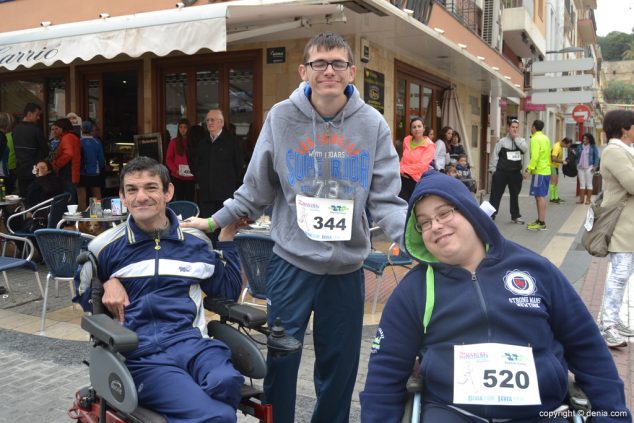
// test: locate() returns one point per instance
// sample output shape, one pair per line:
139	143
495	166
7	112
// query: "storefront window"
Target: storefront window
241	107
94	99
175	101
417	94
49	93
414	100
207	94
14	95
56	101
401	126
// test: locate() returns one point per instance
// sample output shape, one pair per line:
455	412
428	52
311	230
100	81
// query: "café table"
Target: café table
13	201
85	217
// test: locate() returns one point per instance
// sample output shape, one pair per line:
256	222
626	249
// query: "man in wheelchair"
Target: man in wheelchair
154	275
497	327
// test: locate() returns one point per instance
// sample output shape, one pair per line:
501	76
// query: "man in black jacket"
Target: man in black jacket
218	165
30	146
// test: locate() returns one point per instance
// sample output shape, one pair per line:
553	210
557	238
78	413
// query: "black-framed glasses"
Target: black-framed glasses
322	65
442	216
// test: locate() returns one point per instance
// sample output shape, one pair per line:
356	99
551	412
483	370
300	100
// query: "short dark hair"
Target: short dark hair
590	137
48	164
327	41
566	140
538	124
145	164
615	121
463	156
64	124
30	108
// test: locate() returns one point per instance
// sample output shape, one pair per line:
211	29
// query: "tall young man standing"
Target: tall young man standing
322	158
539	168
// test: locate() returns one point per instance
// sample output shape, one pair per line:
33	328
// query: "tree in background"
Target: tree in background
619	92
629	54
615	44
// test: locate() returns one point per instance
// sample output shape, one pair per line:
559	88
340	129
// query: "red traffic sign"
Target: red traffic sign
581	113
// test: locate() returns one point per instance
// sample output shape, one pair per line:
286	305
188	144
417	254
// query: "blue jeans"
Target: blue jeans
337	302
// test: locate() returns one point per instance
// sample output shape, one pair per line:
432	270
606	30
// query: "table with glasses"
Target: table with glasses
114	220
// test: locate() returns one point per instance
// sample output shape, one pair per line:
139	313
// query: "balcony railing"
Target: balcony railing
466	11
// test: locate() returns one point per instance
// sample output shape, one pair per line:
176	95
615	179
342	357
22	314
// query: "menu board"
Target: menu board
150	145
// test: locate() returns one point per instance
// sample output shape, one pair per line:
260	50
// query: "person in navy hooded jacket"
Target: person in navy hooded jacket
496	327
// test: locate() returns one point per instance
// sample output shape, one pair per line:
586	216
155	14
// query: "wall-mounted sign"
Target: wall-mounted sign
150	145
276	55
528	106
374	89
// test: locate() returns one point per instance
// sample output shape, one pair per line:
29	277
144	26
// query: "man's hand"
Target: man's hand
229	232
115	298
195	222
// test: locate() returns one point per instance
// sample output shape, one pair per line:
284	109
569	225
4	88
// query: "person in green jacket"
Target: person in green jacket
539	168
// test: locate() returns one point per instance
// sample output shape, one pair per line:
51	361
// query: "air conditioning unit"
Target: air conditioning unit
492	23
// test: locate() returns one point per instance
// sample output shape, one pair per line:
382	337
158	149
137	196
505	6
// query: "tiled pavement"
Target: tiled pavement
51	368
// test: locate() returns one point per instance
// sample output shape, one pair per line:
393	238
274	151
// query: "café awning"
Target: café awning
187	30
160	32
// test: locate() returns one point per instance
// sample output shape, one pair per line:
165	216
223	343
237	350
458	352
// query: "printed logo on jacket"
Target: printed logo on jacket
332	158
521	283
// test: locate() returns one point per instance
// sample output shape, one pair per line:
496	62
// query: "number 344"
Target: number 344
330	223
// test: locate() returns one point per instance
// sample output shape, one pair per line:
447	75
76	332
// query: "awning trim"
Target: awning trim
132	35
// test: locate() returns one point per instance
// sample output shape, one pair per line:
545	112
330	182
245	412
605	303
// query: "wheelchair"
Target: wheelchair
577	403
112	395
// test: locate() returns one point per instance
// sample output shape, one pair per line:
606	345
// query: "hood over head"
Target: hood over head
459	196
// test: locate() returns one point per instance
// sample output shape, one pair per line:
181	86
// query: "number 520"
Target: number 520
505	379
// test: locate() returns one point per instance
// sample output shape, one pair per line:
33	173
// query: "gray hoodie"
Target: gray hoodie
350	156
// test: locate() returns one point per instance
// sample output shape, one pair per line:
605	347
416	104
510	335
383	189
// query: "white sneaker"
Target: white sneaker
613	338
623	329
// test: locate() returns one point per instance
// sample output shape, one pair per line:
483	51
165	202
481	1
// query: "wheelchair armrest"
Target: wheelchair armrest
110	332
244	315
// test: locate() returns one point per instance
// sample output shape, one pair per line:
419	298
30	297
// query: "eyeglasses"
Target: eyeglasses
515	121
212	120
322	65
442	216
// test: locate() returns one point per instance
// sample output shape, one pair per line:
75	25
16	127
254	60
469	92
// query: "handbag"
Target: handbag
599	226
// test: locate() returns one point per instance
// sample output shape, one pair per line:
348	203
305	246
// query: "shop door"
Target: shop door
111	100
190	87
417	95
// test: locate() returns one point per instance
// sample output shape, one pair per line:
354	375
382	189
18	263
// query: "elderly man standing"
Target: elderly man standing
218	165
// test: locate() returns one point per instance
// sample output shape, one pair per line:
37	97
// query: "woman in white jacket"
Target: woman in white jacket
617	170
